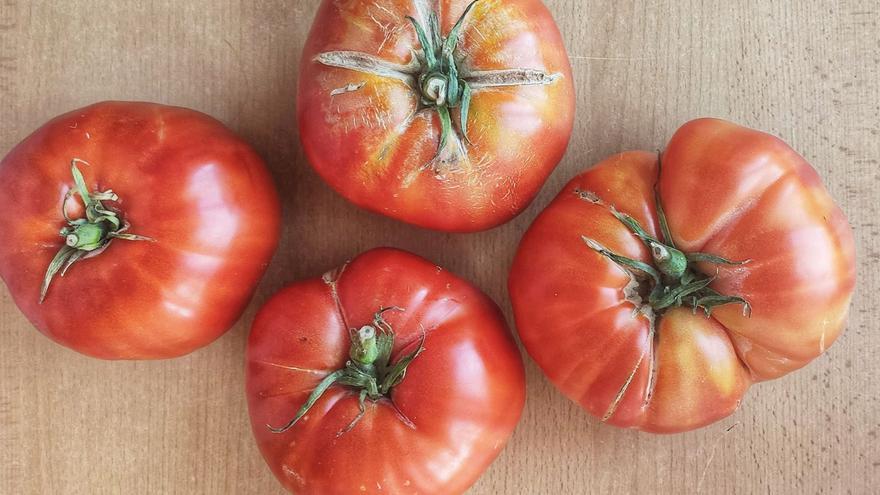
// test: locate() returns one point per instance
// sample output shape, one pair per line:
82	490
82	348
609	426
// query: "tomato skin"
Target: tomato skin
464	393
373	144
729	191
184	180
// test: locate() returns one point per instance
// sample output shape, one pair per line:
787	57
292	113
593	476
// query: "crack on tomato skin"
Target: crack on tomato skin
348	88
293	475
452	158
331	279
649	349
388	29
510	77
310	371
370	64
654	370
377	163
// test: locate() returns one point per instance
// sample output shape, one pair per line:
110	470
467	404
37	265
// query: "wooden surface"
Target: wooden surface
806	70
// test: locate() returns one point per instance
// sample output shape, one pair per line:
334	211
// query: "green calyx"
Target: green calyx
88	236
439	82
369	369
440	76
673	278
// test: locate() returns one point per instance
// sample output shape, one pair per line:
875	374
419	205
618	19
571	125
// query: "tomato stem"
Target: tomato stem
437	76
674	277
368	369
440	85
89	236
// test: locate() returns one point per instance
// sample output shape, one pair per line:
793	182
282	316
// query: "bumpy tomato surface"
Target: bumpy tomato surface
664	329
167	223
450	120
399	378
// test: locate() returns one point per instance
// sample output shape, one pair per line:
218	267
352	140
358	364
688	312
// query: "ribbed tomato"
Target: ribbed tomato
387	375
664	329
450	119
167	221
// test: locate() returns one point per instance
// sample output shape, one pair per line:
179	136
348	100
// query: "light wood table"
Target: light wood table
806	70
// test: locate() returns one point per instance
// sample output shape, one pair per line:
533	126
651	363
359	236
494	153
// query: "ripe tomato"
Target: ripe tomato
167	219
664	329
450	120
401	378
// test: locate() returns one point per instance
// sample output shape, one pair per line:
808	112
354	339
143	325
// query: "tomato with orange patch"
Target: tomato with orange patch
445	114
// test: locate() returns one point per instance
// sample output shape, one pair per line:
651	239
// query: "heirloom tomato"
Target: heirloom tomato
135	230
655	289
446	114
387	375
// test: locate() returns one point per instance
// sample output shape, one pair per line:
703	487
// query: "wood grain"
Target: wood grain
808	71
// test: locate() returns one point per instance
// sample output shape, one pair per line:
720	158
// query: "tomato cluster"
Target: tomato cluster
654	290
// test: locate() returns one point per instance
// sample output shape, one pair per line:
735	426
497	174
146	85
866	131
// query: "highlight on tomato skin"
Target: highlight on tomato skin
386	375
135	230
655	289
449	115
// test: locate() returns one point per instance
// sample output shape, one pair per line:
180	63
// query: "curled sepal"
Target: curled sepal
60	260
76	256
633	225
707	303
453	91
658	205
434	27
89	236
445	128
316	394
716	260
452	40
466	96
131	237
628	264
398	372
428	49
80	182
362	410
675	296
384	339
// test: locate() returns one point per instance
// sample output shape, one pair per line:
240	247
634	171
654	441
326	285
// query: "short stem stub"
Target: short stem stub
669	260
440	83
368	370
434	90
90	235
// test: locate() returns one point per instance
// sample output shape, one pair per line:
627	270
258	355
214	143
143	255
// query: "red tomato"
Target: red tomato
752	228
161	265
450	120
434	430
